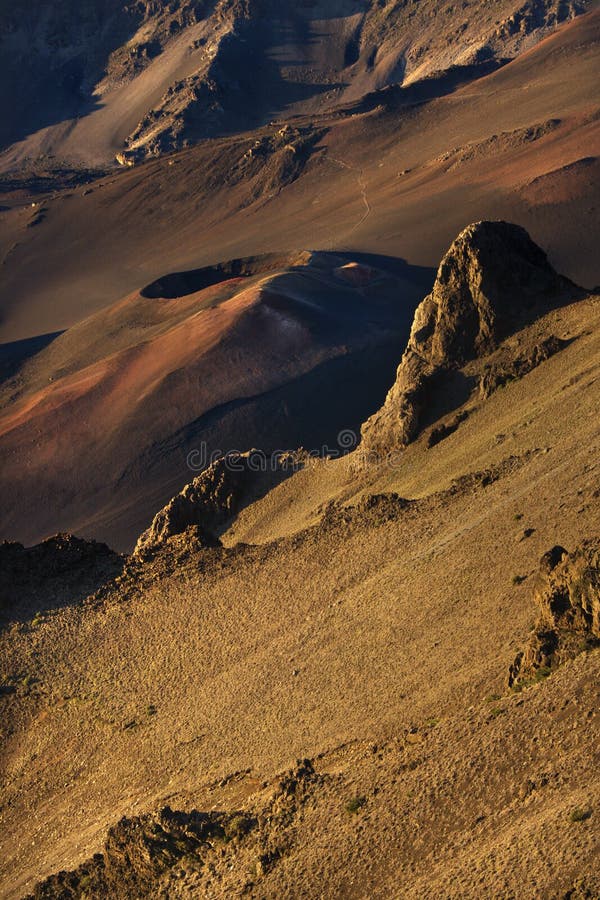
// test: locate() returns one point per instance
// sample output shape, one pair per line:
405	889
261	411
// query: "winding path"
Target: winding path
363	191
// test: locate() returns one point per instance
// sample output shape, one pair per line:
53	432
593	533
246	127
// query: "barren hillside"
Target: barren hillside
299	450
364	615
399	178
101	79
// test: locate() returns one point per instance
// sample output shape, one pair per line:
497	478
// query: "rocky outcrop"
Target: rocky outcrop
492	281
567	595
192	854
211	501
54	556
62	569
500	372
141	851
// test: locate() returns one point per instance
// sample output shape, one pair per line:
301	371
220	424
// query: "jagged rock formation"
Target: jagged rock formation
173	853
492	281
567	594
210	501
197	68
200	104
60	570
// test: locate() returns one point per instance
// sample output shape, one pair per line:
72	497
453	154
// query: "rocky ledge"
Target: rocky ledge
211	501
567	596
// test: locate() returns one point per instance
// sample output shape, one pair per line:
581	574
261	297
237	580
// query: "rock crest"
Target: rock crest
492	281
213	499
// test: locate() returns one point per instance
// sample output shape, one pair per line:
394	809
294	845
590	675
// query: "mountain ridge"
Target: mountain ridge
181	72
367	666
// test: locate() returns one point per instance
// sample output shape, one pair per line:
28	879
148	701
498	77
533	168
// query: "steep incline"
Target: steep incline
93	80
365	617
492	281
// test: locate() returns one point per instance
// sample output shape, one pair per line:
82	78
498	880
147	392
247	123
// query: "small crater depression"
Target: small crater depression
180	284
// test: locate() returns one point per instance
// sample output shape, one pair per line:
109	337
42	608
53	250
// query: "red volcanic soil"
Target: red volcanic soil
96	428
377	181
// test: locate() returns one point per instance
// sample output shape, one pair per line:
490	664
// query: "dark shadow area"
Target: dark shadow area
306	10
440	432
180	284
394	97
60	571
15	353
445	392
44	89
311	411
39	181
423	276
250	102
353	46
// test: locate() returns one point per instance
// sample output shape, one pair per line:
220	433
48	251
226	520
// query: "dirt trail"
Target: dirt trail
360	177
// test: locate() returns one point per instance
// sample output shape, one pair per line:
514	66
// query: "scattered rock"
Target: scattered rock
499	373
124	160
371	510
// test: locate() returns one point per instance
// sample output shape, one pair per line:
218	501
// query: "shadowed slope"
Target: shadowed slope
97	80
257	359
397	182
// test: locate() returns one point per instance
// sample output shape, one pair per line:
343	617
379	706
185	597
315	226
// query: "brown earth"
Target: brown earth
394	818
374	675
112	443
347	618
